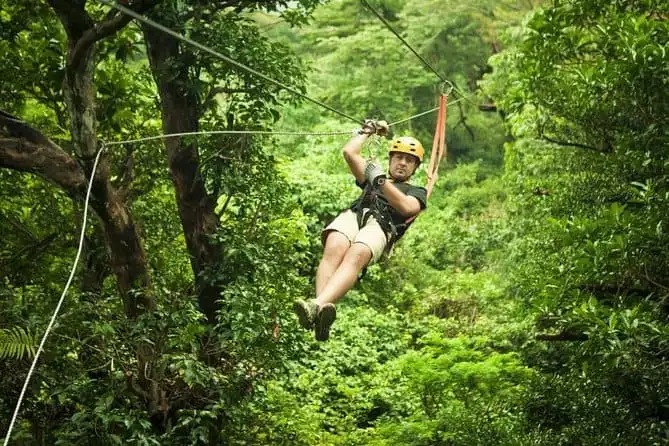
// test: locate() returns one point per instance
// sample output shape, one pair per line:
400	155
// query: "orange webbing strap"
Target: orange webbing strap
438	145
438	148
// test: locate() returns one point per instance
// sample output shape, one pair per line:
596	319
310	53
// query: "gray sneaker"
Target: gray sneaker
324	320
306	311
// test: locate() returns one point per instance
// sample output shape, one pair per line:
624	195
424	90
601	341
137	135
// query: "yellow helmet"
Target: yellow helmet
407	144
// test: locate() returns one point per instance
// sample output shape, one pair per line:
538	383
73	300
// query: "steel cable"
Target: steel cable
229	60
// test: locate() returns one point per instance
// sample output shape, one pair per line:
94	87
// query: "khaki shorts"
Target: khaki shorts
370	235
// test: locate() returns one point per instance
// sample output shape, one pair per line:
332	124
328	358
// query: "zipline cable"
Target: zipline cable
226	132
432	110
425	62
385	22
215	53
261	132
60	301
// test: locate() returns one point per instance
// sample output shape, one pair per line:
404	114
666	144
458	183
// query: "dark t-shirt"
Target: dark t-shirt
420	193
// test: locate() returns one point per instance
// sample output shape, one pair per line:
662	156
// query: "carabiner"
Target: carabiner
374	140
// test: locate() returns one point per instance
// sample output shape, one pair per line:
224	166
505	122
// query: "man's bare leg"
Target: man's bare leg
344	278
336	245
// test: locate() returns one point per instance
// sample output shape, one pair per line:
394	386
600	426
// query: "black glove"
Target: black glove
375	174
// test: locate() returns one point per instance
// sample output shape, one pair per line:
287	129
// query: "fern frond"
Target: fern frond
17	342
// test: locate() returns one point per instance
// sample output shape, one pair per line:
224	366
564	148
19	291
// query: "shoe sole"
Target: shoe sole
324	320
303	316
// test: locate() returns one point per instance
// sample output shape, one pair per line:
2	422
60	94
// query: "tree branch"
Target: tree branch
488	107
225	206
128	175
572	144
25	149
104	29
462	121
134	388
31	252
73	16
19	227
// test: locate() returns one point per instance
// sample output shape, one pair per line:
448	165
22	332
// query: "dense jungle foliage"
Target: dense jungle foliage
529	305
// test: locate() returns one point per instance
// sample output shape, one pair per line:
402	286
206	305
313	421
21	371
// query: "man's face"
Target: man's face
402	166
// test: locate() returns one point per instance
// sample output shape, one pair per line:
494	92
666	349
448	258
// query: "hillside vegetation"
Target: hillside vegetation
527	306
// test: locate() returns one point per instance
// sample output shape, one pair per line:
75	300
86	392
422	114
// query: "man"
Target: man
360	235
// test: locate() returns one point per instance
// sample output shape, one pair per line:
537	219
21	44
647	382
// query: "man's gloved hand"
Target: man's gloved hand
368	127
372	127
375	174
382	128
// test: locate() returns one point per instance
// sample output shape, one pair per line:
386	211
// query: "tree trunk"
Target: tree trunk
26	149
23	148
95	259
126	252
128	259
180	113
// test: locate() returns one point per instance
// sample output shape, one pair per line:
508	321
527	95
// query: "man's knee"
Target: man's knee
336	245
359	255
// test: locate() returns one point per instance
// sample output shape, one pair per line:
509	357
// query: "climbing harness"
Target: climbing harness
372	203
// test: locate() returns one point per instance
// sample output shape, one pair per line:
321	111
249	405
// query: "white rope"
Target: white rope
226	132
60	301
264	132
